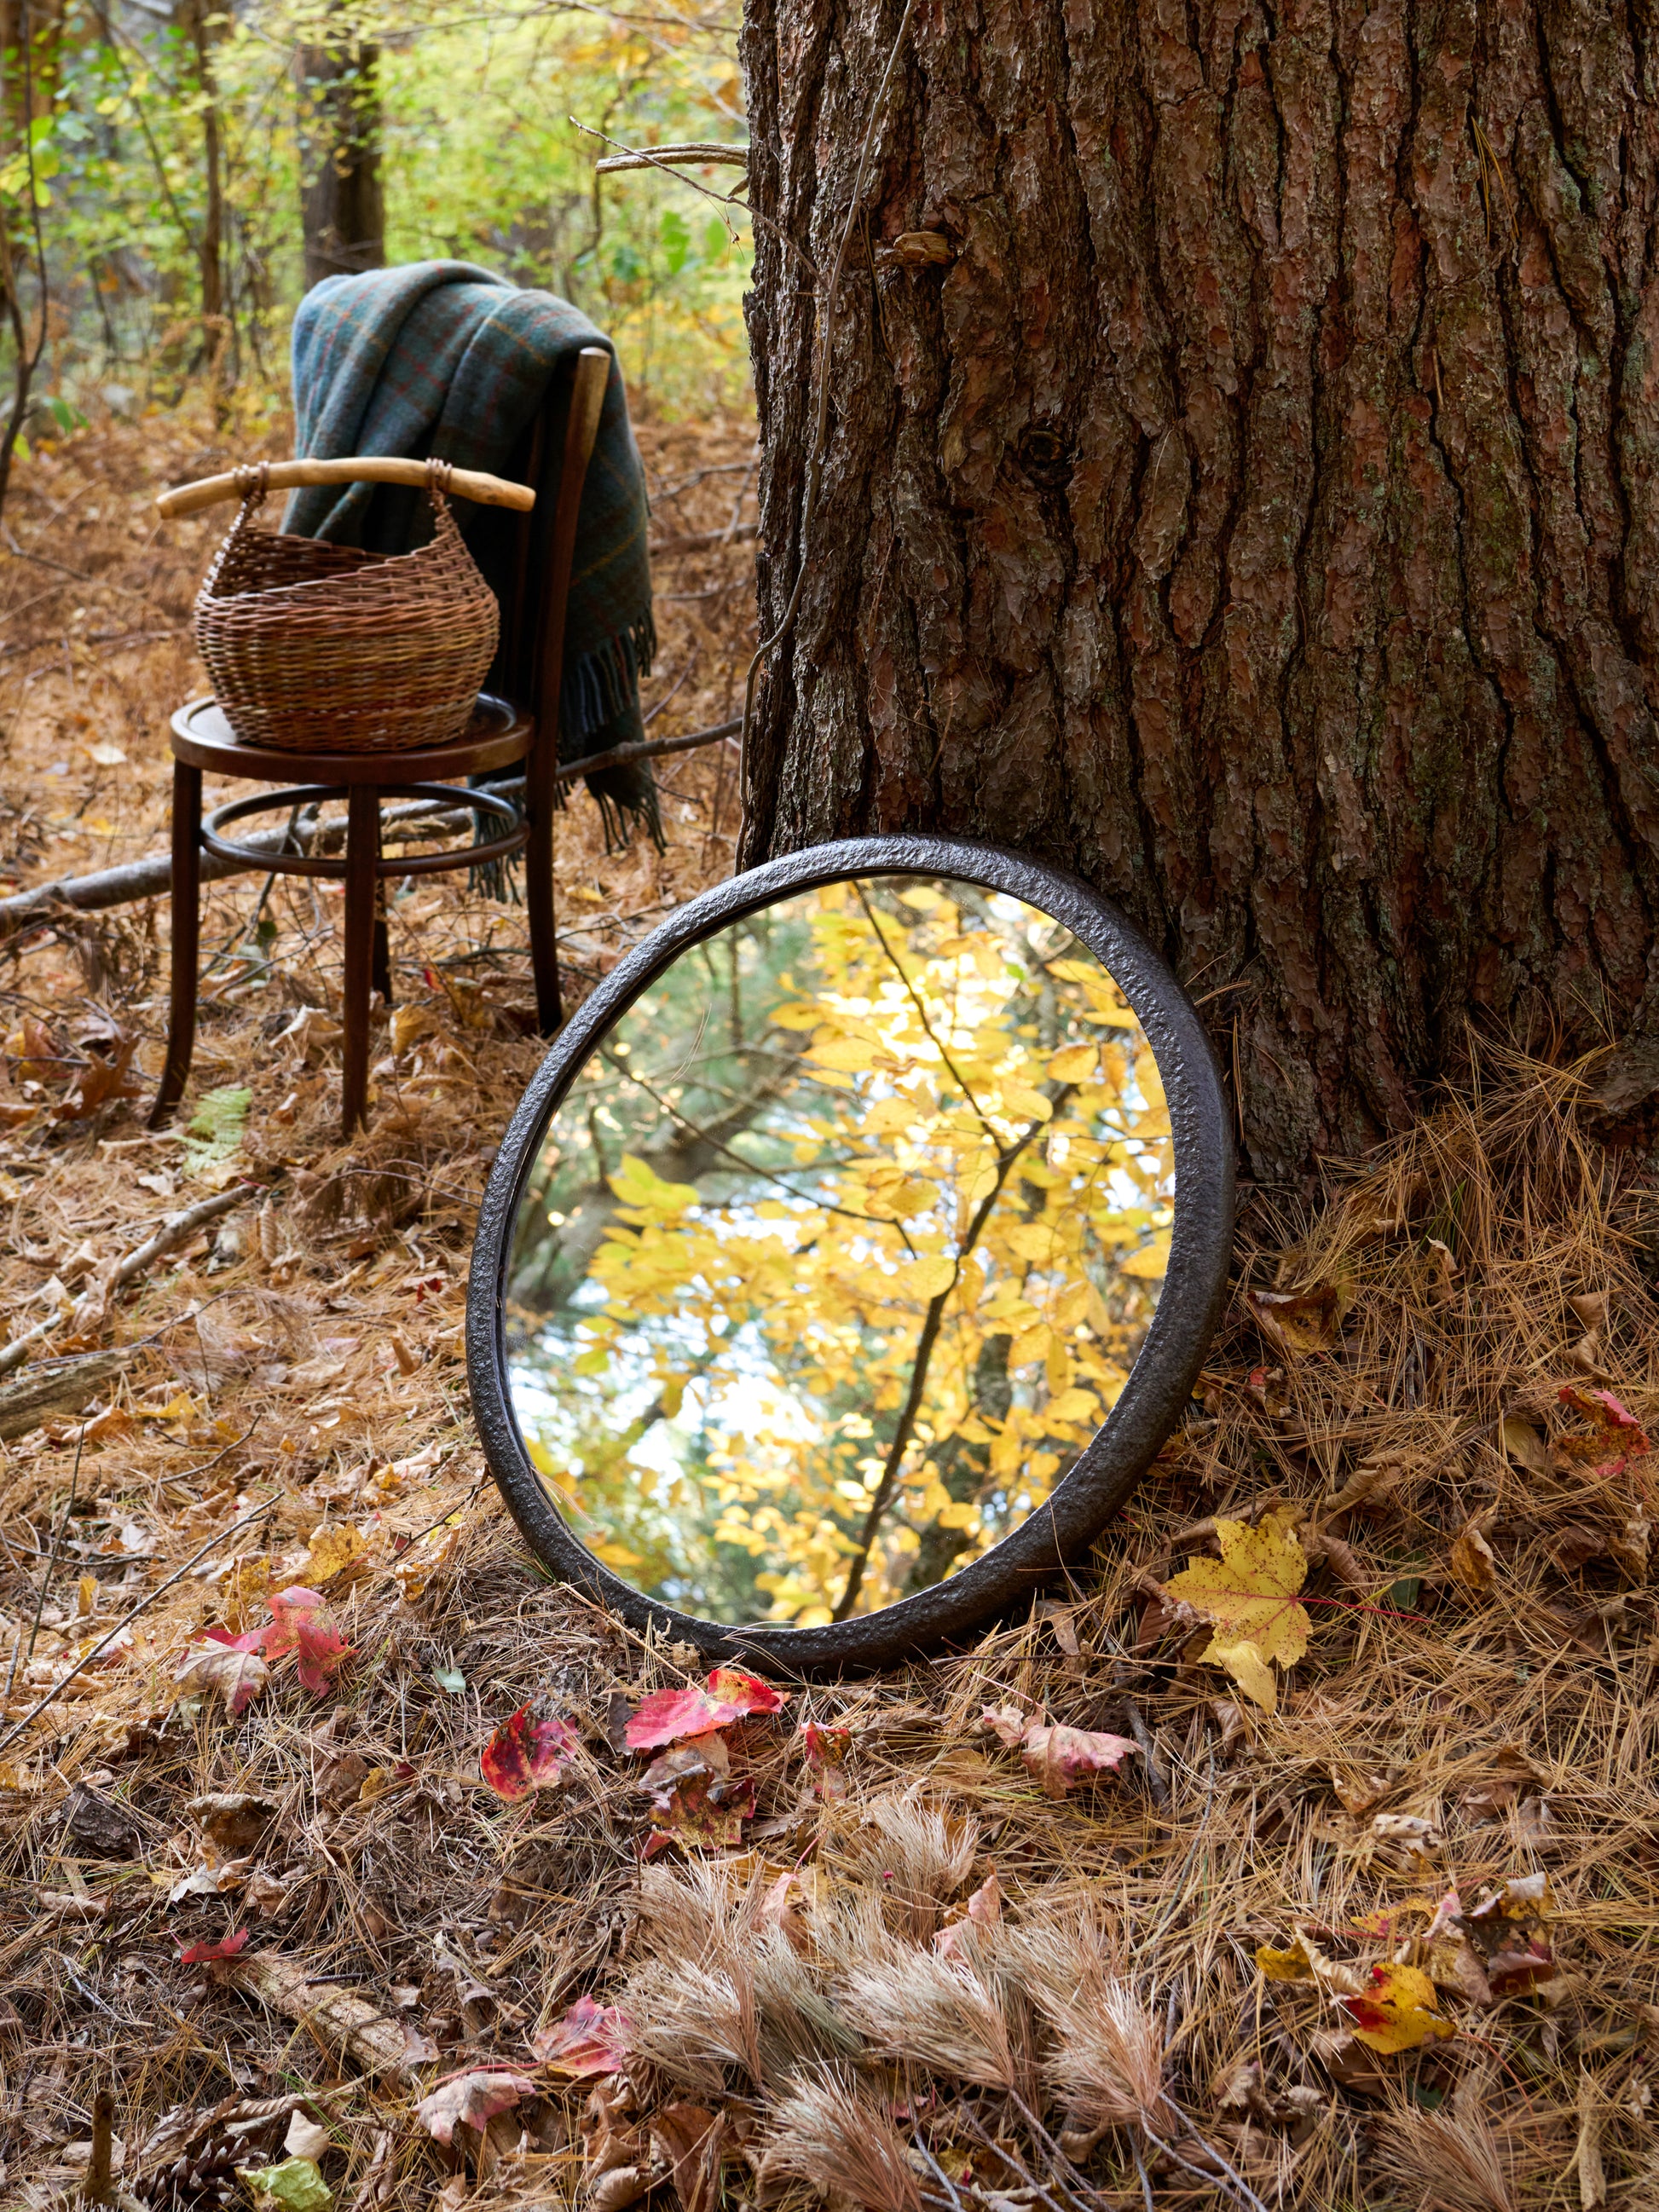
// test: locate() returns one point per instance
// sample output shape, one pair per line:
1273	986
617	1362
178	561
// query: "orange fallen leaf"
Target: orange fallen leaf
1299	1321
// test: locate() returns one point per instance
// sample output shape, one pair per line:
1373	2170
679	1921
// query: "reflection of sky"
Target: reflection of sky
738	1396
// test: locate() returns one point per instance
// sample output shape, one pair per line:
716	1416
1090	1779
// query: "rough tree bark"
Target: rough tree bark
342	202
1249	495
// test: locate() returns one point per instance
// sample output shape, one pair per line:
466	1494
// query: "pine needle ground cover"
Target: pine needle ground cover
1301	1854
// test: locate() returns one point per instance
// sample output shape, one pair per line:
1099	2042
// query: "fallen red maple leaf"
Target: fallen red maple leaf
591	2040
525	1754
1608	1415
300	1623
227	1947
1057	1756
669	1716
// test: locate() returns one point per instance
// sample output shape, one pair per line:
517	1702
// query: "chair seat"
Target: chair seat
498	735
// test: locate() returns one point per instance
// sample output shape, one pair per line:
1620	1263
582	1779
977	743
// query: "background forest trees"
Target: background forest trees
178	176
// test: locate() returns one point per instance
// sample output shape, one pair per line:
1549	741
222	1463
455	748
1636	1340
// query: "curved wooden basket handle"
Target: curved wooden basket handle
285	476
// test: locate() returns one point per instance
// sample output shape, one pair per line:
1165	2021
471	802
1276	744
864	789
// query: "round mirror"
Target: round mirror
856	1247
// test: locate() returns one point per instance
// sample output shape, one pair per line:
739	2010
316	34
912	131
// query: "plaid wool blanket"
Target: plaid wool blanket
439	357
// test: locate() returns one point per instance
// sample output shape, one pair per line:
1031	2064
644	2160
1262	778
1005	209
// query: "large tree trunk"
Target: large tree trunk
343	206
1257	510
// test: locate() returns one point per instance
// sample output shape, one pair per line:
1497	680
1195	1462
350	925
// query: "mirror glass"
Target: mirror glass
839	1250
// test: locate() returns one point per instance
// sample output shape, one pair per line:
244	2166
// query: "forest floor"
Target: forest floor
1391	1943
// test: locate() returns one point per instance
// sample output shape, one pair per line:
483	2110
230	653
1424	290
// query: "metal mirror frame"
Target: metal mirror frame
1058	1534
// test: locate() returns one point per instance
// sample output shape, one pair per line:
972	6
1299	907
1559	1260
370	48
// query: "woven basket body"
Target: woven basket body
315	648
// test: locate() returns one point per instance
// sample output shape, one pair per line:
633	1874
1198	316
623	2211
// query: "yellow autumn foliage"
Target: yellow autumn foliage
885	1189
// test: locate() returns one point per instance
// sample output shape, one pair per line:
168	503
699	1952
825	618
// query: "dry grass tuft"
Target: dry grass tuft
1450	2160
844	2144
1106	2061
918	1852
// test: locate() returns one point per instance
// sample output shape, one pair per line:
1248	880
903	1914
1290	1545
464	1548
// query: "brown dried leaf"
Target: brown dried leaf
1471	1561
692	2141
1299	1321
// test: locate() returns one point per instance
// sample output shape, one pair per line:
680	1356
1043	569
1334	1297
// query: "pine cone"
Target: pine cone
197	2182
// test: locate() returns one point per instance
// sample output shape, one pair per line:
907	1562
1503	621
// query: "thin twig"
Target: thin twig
1146	2178
51	1562
126	1620
1156	1781
1245	2194
966	2112
951	2189
658	157
1053	2148
1210	2151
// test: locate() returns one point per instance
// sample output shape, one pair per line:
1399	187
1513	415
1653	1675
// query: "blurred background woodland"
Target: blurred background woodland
174	178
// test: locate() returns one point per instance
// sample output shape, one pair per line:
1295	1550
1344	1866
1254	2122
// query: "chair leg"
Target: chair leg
538	898
186	940
382	970
362	851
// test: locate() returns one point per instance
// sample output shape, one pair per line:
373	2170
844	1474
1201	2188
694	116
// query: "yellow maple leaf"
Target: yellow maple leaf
1289	1966
1249	1594
332	1553
1395	2011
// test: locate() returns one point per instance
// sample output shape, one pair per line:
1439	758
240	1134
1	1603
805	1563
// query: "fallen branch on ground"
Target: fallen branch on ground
333	2016
176	1230
151	878
56	1387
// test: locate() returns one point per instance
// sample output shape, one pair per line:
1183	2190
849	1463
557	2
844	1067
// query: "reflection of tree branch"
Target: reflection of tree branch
929	1337
752	1167
592	1208
898	969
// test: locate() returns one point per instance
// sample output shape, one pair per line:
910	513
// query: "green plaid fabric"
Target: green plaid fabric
439	357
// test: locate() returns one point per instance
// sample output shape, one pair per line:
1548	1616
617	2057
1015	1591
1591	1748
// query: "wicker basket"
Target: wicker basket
315	648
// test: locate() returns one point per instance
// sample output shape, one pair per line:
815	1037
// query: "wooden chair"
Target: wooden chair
522	727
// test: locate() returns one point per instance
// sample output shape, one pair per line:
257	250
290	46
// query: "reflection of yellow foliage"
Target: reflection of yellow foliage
1151	1263
976	1155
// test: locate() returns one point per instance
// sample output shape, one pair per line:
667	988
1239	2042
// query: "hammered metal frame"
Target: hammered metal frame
1058	1535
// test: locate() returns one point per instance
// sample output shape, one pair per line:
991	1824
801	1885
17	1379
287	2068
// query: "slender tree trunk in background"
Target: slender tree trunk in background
1248	496
23	52
341	204
210	251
